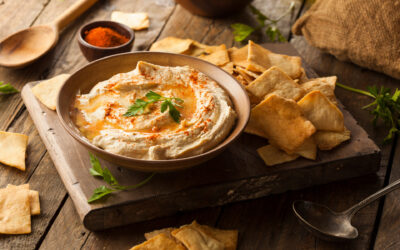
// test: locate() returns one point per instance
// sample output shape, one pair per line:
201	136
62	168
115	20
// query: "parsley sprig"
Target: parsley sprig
385	107
7	88
170	103
242	31
98	171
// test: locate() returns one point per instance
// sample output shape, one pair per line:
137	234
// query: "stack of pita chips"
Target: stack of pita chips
296	114
192	237
17	204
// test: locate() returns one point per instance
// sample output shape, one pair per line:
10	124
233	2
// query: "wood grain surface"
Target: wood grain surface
265	223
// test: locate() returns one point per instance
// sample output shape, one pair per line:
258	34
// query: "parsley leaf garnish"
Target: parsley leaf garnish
385	107
242	31
98	171
7	88
169	103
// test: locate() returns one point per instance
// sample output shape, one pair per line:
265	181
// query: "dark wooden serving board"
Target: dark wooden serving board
237	174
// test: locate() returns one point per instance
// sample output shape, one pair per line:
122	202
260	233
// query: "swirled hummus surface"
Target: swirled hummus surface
206	113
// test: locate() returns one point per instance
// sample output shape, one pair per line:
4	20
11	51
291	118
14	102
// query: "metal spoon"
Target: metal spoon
26	46
330	225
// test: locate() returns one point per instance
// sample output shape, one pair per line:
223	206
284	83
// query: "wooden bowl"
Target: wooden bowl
213	8
92	53
84	79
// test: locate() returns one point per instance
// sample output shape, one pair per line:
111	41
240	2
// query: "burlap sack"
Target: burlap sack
365	32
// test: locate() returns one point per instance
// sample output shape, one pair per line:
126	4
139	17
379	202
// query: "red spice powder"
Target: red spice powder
105	37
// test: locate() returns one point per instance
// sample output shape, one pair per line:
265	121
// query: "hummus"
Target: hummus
206	113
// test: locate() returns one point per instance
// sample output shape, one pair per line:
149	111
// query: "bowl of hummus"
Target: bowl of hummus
153	111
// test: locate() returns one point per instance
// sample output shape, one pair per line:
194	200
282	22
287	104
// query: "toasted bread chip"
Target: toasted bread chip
227	237
239	56
260	59
321	112
196	49
217	55
172	45
272	155
324	84
15	215
159	242
33	198
196	240
167	231
282	121
275	81
47	91
13	149
248	75
326	140
228	67
135	21
241	80
308	149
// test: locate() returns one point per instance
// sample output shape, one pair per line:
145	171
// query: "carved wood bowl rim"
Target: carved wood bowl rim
104	68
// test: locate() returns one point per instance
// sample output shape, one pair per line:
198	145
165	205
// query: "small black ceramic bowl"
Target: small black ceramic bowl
93	52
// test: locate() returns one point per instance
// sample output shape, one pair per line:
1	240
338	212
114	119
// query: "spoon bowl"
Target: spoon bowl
26	46
321	220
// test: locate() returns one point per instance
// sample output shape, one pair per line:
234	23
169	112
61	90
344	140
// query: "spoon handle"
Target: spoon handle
72	13
389	188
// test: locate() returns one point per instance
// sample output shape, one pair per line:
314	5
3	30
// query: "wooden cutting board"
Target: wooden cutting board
237	174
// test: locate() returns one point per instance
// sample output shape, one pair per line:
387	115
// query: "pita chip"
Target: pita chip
193	239
275	81
283	123
47	90
239	56
217	55
272	155
324	84
15	215
13	149
326	140
159	242
33	198
308	149
228	67
135	21
227	237
258	58
172	45
321	112
291	65
196	49
167	231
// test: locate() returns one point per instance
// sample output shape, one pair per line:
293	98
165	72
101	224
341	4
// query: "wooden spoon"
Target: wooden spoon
26	46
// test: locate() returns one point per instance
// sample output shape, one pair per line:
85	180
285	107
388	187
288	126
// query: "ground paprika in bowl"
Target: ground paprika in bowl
104	38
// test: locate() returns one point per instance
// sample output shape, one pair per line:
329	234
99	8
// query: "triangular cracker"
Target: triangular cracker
239	56
272	155
326	140
275	81
282	121
321	112
135	21
159	242
227	237
13	149
217	55
324	84
196	240
47	90
15	215
33	198
172	45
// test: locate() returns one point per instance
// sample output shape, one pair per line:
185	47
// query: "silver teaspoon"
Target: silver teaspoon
330	225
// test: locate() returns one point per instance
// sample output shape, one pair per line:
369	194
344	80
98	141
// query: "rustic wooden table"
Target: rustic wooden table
266	223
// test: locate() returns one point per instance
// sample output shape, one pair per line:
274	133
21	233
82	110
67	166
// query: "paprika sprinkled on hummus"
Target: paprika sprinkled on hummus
206	114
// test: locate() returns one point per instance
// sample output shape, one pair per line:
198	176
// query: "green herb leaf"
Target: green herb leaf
99	193
7	88
137	108
173	112
96	169
385	107
167	102
164	106
241	31
152	96
105	173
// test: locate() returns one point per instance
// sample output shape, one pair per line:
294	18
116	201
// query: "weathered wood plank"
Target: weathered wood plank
51	190
388	230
